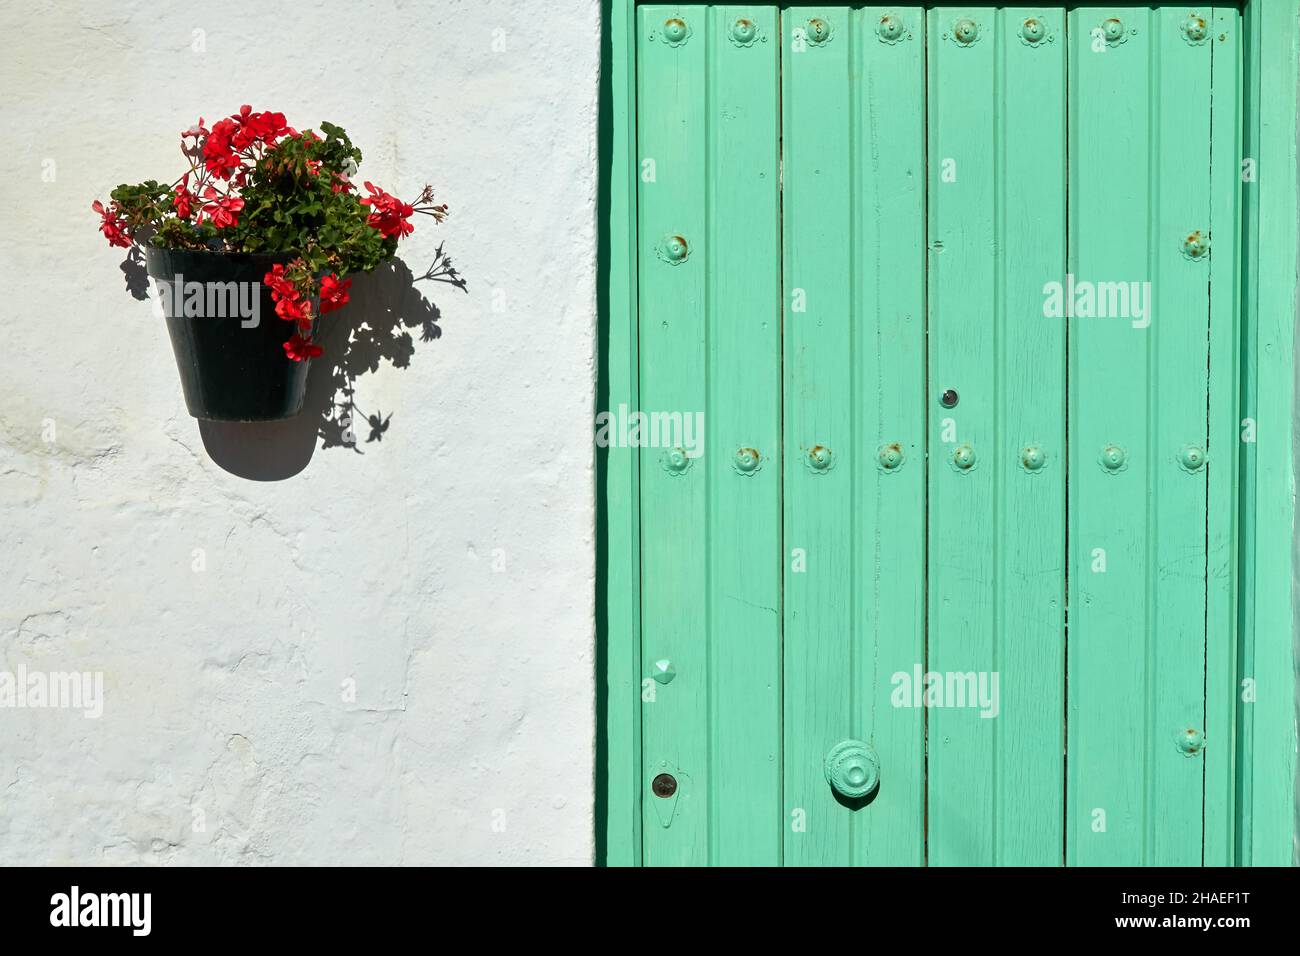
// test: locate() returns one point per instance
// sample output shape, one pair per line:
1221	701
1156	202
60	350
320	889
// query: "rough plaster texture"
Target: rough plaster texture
447	570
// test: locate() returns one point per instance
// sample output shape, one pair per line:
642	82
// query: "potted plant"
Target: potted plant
250	247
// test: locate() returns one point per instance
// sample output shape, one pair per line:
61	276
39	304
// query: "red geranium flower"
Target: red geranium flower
222	210
333	293
289	303
183	199
388	213
280	286
221	164
300	349
219	155
114	225
294	308
271	126
255	127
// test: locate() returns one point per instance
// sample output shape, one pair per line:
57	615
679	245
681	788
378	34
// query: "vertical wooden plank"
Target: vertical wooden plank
1272	307
1177	406
1221	685
820	453
853	264
1029	638
967	468
618	652
1137	424
888	331
672	134
1109	682
710	350
997	527
742	252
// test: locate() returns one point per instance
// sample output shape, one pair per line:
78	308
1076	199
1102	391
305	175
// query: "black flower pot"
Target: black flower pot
229	343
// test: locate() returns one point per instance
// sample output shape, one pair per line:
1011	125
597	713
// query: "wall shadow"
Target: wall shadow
386	315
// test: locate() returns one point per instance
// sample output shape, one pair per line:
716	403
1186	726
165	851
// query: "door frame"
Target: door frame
1265	740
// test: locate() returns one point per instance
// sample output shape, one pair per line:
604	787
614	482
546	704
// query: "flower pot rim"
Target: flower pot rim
151	249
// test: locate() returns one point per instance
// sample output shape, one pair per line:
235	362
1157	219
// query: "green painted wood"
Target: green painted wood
1177	389
852	114
1030	547
1137	629
889	398
1156	644
742	252
671	133
618	755
710	354
1224	440
963	278
820	692
1269	838
997	527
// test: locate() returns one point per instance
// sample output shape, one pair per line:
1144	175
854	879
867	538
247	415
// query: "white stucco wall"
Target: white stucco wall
448	570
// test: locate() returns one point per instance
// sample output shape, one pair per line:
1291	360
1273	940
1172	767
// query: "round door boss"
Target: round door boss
852	768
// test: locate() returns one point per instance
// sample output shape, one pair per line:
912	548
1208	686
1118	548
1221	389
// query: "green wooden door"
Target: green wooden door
936	433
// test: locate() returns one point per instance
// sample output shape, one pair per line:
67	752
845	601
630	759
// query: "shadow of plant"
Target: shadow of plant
137	277
380	324
391	310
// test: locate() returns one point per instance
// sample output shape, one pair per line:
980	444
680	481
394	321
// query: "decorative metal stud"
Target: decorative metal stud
1032	459
820	459
676	461
818	31
1191	458
891	457
744	32
1194	29
674	250
963	458
1190	741
1112	31
890	29
1113	459
965	31
663	672
1195	245
675	31
1035	32
747	461
852	769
